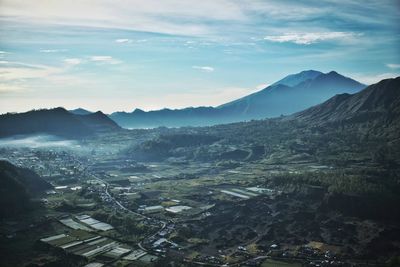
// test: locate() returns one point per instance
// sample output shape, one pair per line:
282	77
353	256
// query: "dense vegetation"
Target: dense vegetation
17	187
56	121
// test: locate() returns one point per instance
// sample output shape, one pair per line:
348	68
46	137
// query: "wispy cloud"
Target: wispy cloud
204	68
393	66
310	38
129	41
73	61
178	17
123	41
10	88
105	59
10	71
52	50
3	53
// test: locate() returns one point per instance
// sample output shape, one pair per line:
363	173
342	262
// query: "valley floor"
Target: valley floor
190	213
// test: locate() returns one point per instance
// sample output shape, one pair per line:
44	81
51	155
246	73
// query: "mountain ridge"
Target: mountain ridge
56	121
307	89
382	98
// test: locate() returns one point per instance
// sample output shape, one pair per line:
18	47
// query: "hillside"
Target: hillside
98	122
56	121
17	187
378	101
288	95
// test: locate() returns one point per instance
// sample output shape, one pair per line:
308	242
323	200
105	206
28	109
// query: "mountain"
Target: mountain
378	102
295	79
98	122
288	95
57	121
281	99
17	187
80	111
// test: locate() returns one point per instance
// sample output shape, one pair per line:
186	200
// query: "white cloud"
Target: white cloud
208	18
123	41
129	41
169	17
101	58
10	88
16	74
204	68
310	38
393	66
73	61
105	59
52	50
19	71
3	53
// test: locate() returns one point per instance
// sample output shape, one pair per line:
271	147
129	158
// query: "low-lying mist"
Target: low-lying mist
37	141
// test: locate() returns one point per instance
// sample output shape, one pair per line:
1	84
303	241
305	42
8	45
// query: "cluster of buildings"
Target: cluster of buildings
86	243
158	208
86	223
92	248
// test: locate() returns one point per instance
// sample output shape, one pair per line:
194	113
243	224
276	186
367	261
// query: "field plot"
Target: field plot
93	223
74	225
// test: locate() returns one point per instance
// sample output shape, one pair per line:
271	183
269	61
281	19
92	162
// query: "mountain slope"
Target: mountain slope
295	79
291	94
56	121
17	187
281	99
98	122
378	101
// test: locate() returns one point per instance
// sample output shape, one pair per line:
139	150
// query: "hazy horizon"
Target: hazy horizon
119	56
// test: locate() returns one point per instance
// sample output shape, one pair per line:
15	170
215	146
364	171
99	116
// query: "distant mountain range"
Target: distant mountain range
287	96
57	121
291	94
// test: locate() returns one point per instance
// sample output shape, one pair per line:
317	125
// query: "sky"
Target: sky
119	55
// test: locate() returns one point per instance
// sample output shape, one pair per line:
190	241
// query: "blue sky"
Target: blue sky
121	55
